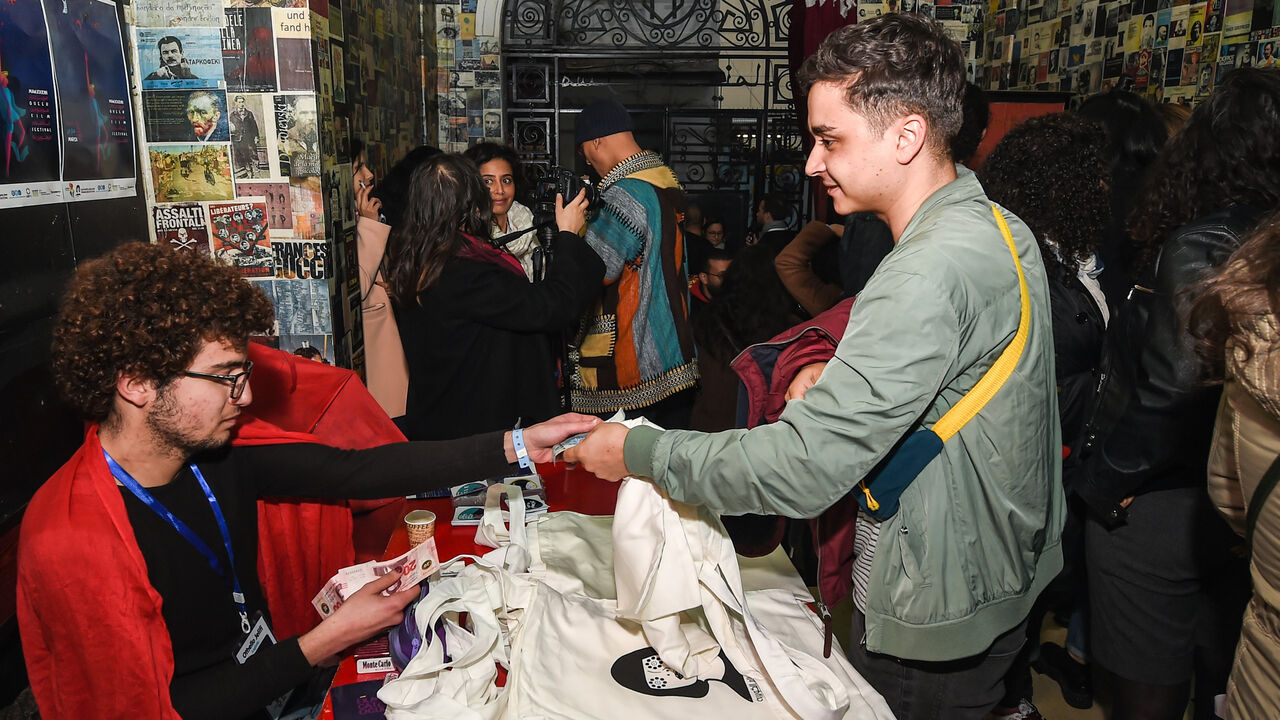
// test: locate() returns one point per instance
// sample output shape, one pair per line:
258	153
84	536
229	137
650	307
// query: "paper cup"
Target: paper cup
421	525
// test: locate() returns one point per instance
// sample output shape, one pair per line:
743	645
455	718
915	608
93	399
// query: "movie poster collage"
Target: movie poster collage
962	19
66	123
234	151
1172	50
468	78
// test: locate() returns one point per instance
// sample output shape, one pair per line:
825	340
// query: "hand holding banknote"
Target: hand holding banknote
366	612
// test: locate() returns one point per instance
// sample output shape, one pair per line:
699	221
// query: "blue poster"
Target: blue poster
93	91
170	58
30	163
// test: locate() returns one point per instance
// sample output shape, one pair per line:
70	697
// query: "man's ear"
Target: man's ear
912	133
135	390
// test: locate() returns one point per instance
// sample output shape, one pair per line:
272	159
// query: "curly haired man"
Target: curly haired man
137	587
942	585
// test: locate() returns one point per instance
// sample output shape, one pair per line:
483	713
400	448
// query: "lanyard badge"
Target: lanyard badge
228	574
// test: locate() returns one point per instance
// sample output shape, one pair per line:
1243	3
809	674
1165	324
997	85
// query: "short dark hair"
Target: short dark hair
892	66
973	126
714	253
166	40
144	310
777	206
481	153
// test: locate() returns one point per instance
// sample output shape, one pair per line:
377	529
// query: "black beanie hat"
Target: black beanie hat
599	119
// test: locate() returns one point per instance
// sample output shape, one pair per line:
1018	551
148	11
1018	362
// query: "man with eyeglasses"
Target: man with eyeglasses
138	593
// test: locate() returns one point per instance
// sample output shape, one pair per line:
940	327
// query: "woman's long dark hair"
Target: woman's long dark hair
1050	171
446	198
1228	154
1230	302
752	306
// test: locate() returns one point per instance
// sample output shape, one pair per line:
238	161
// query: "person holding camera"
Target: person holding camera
499	167
635	349
476	333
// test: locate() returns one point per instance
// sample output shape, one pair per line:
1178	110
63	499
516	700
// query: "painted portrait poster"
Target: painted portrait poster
93	96
29	156
185	115
297	135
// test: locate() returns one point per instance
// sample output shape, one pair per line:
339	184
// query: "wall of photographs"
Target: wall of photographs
1172	50
469	72
248	108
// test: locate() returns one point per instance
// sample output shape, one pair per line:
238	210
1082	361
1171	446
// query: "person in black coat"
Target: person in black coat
481	341
1167	591
1051	172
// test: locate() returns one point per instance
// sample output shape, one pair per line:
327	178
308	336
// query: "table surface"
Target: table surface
567	489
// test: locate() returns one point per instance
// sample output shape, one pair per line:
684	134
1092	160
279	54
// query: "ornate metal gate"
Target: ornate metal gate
707	82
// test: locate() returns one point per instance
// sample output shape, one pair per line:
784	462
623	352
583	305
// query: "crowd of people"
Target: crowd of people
1047	387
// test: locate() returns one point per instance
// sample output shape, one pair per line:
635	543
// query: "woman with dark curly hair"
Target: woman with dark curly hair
500	170
1135	133
1051	171
477	334
1237	320
1157	555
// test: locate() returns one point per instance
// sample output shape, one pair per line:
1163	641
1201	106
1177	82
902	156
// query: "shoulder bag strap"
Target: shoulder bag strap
1260	495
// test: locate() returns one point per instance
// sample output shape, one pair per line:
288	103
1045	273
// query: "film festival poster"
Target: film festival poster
292	28
241	237
198	116
97	128
177	13
182	226
301	259
28	109
249	51
249	127
279	203
302	306
172	59
297	135
184	173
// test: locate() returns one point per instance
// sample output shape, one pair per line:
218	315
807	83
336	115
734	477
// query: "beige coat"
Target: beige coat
386	372
1246	442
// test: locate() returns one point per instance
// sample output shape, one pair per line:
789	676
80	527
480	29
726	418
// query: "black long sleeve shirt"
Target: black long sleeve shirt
203	623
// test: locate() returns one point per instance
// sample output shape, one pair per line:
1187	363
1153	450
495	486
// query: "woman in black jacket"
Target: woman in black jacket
1166	595
1051	172
479	338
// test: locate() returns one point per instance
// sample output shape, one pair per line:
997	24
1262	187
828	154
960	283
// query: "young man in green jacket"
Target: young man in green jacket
944	586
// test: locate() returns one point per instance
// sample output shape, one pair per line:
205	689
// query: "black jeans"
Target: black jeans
953	690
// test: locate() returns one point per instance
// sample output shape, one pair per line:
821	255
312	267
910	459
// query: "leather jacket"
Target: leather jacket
1153	420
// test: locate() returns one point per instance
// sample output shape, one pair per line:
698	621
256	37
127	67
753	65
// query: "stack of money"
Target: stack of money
414	566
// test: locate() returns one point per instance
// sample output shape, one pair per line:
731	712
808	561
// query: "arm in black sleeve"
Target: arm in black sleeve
320	471
231	690
510	302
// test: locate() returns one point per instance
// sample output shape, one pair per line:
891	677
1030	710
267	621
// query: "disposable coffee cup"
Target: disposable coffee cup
421	525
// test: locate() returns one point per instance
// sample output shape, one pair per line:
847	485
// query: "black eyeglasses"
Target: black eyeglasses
239	381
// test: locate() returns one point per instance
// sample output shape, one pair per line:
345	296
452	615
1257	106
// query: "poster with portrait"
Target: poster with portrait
177	13
181	226
241	237
179	58
249	51
297	135
92	91
185	115
249	127
30	173
182	173
339	73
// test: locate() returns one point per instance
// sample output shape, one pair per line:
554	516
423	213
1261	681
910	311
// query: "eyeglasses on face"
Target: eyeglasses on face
239	381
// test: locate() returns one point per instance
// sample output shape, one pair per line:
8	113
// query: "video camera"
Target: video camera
558	181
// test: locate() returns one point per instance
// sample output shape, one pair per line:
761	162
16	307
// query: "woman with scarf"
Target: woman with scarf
477	334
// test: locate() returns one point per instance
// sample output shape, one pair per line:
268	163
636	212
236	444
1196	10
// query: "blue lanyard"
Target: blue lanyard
229	576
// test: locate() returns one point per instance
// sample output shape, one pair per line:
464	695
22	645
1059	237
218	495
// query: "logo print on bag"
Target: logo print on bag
644	672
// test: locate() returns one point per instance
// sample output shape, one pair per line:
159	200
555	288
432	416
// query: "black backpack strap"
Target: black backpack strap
1260	494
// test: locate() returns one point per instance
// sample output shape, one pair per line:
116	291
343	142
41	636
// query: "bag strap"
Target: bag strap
994	378
1260	495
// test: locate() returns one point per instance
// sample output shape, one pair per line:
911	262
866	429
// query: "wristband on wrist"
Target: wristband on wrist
522	454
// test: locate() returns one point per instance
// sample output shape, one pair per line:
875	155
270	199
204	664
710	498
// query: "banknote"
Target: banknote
414	566
567	443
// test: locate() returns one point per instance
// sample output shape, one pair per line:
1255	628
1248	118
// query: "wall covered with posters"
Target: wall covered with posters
247	109
468	77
